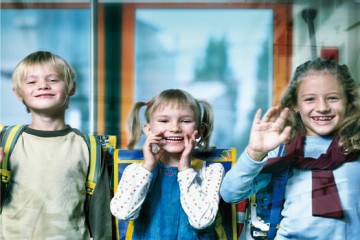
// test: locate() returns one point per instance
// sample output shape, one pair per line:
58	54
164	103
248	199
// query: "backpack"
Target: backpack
264	207
8	141
226	224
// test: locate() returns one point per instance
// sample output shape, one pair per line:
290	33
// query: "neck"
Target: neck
46	123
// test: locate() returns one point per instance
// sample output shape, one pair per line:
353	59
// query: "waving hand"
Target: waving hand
267	133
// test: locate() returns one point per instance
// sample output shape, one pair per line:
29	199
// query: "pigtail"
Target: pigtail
133	125
207	121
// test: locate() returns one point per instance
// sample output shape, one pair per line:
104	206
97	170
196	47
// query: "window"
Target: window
224	55
62	30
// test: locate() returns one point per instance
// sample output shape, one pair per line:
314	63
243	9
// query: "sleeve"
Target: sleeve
99	215
200	197
243	179
131	192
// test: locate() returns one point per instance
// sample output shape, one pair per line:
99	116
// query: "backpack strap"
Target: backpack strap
8	142
94	146
9	138
277	198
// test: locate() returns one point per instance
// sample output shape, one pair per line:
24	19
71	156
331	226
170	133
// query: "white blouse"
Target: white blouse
199	193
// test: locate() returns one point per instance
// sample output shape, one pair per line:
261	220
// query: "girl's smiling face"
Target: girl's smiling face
174	123
321	103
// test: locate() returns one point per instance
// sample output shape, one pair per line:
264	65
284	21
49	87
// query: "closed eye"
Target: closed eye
333	98
187	121
163	120
309	99
30	82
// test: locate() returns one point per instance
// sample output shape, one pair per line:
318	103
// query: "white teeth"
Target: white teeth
323	118
175	139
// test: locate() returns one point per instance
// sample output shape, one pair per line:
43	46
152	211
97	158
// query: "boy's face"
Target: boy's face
43	91
321	104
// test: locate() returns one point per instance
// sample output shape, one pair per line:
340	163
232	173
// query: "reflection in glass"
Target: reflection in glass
222	55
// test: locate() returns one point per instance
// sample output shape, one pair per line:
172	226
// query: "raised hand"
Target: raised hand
189	144
152	151
267	133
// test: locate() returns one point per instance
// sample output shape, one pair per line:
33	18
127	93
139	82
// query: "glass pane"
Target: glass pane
222	55
65	32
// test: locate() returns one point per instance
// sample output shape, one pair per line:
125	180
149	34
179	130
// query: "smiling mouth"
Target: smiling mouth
174	139
322	118
44	95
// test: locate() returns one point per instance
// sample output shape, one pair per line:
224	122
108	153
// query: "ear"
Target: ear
146	129
72	90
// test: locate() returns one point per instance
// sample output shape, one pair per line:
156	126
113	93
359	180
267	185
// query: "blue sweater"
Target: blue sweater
243	180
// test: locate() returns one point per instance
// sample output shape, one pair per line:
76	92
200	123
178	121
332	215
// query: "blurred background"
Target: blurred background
237	54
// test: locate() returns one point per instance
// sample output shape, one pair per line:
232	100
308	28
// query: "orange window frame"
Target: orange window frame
281	58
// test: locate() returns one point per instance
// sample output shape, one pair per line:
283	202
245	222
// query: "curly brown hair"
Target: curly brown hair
349	130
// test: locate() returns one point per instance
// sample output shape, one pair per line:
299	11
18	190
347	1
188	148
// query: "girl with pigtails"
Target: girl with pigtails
165	196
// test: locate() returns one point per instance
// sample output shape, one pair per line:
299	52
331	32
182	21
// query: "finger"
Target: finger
280	121
159	134
257	117
189	142
270	115
159	153
194	134
285	134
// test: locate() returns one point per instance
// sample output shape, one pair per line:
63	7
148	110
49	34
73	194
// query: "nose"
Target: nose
323	106
43	84
174	127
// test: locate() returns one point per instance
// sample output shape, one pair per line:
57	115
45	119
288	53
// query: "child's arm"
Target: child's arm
200	200
131	192
243	179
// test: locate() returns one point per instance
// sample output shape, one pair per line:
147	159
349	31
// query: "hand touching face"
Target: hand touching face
174	124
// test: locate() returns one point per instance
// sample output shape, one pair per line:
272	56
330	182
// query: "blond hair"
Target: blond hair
46	60
173	98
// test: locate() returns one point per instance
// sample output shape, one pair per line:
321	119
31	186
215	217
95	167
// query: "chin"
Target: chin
174	149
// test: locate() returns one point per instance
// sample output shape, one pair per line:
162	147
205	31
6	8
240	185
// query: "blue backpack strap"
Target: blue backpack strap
277	199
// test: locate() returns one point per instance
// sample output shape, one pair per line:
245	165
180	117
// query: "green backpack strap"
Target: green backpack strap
94	146
10	136
8	142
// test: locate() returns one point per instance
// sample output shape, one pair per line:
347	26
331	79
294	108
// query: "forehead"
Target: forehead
39	69
319	81
173	109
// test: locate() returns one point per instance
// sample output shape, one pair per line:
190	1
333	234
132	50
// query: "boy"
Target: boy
50	162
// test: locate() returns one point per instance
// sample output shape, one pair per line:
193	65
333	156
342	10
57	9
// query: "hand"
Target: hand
151	157
266	133
189	143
